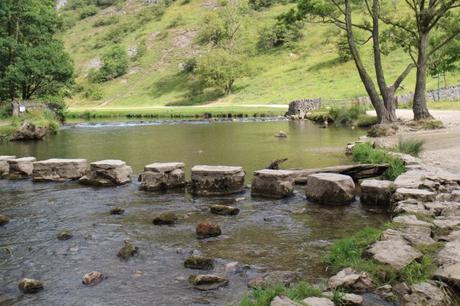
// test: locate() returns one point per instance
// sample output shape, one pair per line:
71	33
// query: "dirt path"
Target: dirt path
442	147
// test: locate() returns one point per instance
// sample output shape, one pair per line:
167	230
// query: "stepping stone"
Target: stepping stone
20	168
376	192
330	189
4	166
107	173
395	252
216	180
269	183
59	169
162	176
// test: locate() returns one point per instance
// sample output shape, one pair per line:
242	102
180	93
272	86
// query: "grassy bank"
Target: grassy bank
45	119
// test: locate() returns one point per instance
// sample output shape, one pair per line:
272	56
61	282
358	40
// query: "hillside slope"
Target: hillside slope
310	68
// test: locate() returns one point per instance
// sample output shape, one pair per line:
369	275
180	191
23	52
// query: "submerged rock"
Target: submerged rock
330	188
281	134
318	301
165	218
117	211
224	210
64	235
273	278
93	278
205	282
128	250
199	262
207	229
30	285
4	220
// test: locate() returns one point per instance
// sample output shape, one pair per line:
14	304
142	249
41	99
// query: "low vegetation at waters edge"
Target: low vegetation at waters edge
365	153
45	119
178	112
352	115
429	124
410	146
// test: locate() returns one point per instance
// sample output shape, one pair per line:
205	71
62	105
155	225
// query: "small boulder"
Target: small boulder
165	218
4	220
117	211
205	282
64	235
428	294
29	285
128	249
272	278
283	301
281	134
318	301
351	280
395	252
207	229
224	210
376	192
92	278
199	262
352	299
270	183
330	188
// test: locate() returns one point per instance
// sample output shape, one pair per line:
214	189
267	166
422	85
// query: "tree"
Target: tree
341	14
115	63
427	28
33	63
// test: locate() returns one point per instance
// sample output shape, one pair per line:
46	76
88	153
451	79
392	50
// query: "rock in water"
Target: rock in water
207	229
64	235
272	183
376	192
224	210
216	180
21	168
166	218
29	285
199	262
59	169
349	279
4	167
93	278
107	173
330	188
162	176
281	134
128	250
117	211
4	220
205	282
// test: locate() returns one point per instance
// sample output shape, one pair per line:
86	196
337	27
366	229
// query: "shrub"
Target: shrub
102	22
213	30
343	49
260	4
115	64
279	34
93	92
190	65
411	146
345	115
88	11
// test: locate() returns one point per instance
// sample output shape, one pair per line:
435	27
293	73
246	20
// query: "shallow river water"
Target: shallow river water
266	235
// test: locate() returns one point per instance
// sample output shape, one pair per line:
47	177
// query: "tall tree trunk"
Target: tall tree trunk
419	106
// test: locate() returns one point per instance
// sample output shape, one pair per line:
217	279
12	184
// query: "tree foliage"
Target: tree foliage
115	63
33	63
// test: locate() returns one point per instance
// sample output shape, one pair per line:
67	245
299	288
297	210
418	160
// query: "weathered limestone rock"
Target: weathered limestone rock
29	285
410	220
107	173
29	131
330	189
272	278
59	169
92	278
64	235
207	229
224	210
205	282
412	206
411	179
450	254
128	250
318	301
395	252
415	235
165	218
352	299
426	294
417	194
117	211
4	166
162	176
376	192
447	222
283	301
449	273
272	183
4	220
199	262
20	168
217	180
451	209
352	280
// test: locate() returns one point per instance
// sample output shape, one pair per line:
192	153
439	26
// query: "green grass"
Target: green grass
410	146
263	296
344	115
364	153
417	272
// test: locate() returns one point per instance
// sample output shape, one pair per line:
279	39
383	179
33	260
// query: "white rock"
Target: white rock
330	188
21	168
395	252
272	183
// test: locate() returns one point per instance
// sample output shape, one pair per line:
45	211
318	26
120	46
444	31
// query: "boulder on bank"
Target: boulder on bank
20	168
4	166
107	173
59	169
30	285
206	282
162	176
216	180
272	183
29	131
350	279
224	210
376	193
207	229
330	189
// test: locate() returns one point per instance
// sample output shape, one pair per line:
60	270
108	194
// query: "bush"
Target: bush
93	92
102	22
260	4
213	30
343	49
411	146
346	116
115	64
88	11
190	65
279	34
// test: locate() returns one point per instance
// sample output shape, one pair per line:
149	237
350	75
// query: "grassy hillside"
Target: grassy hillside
309	68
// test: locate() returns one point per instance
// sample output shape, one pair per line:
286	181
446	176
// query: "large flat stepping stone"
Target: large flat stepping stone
59	169
417	194
20	168
4	166
272	183
450	254
395	252
410	220
107	173
376	192
415	235
162	176
330	189
216	180
449	273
